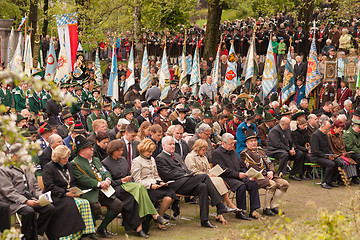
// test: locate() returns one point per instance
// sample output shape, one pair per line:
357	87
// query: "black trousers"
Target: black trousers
284	157
253	190
331	171
4	216
32	227
113	205
201	185
356	157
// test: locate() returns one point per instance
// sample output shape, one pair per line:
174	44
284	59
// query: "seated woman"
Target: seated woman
136	202
337	146
72	213
144	131
144	171
102	140
197	162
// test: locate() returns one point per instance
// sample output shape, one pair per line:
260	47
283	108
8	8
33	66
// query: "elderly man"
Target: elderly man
99	125
351	140
347	105
236	177
144	116
203	132
207	90
54	141
130	150
172	168
90	174
281	147
181	147
194	120
312	125
255	157
113	132
304	105
19	189
322	155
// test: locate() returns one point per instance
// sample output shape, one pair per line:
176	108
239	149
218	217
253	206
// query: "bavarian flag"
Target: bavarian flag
269	77
288	81
230	76
313	73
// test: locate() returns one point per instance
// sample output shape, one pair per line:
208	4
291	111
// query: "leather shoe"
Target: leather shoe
333	185
89	236
325	185
160	220
102	233
225	209
168	217
276	211
207	224
355	180
268	212
142	234
294	177
242	215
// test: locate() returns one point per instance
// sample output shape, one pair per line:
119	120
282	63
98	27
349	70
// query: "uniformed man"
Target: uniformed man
129	115
34	99
162	118
234	123
76	106
19	94
114	116
132	94
5	96
86	94
96	107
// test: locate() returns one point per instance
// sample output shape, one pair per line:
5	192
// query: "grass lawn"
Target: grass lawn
302	201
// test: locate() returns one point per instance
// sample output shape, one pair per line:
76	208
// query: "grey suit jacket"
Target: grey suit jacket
12	187
135	151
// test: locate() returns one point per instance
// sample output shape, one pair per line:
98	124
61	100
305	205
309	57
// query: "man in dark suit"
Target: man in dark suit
156	134
130	149
280	146
235	177
64	129
54	141
181	147
327	94
171	167
299	69
346	109
144	116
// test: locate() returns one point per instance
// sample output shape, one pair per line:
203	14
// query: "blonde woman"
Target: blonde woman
197	162
72	213
144	131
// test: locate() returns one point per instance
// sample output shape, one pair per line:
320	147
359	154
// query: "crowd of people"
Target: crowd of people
139	155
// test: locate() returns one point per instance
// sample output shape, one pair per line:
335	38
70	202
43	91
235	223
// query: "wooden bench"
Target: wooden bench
316	167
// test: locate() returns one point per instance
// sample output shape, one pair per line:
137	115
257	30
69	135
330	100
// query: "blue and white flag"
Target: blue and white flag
250	68
23	20
188	60
16	62
51	63
145	73
130	75
10	48
288	80
269	77
195	73
313	78
98	75
183	65
216	70
164	77
230	76
113	89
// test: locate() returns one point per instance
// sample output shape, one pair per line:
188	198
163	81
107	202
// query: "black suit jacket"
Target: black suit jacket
113	132
230	162
45	157
184	147
172	169
300	71
63	131
141	119
279	140
135	151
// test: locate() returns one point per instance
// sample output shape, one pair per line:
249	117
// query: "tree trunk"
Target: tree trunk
212	29
46	21
33	14
139	45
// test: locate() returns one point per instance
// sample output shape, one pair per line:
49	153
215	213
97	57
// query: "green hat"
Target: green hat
208	114
257	99
285	111
298	114
96	85
181	96
19	118
268	117
259	110
249	134
238	114
81	142
117	105
173	82
66	114
85	106
96	106
196	104
45	128
127	111
85	81
229	107
273	97
33	129
162	107
78	87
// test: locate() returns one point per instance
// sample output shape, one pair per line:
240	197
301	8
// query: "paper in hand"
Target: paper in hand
252	173
109	192
77	190
217	170
45	199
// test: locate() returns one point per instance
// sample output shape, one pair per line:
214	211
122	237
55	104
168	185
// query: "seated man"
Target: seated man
255	157
203	132
171	167
351	140
281	147
99	125
89	173
235	176
320	150
19	189
54	141
4	216
156	133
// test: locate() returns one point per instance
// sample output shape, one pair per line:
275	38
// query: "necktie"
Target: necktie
129	154
172	156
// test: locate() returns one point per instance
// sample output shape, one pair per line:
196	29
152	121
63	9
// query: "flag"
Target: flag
62	72
145	73
10	47
250	68
51	63
195	73
130	76
183	65
288	80
358	74
313	73
68	34
230	76
16	62
113	89
98	75
39	70
269	76
164	78
28	56
216	70
23	20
